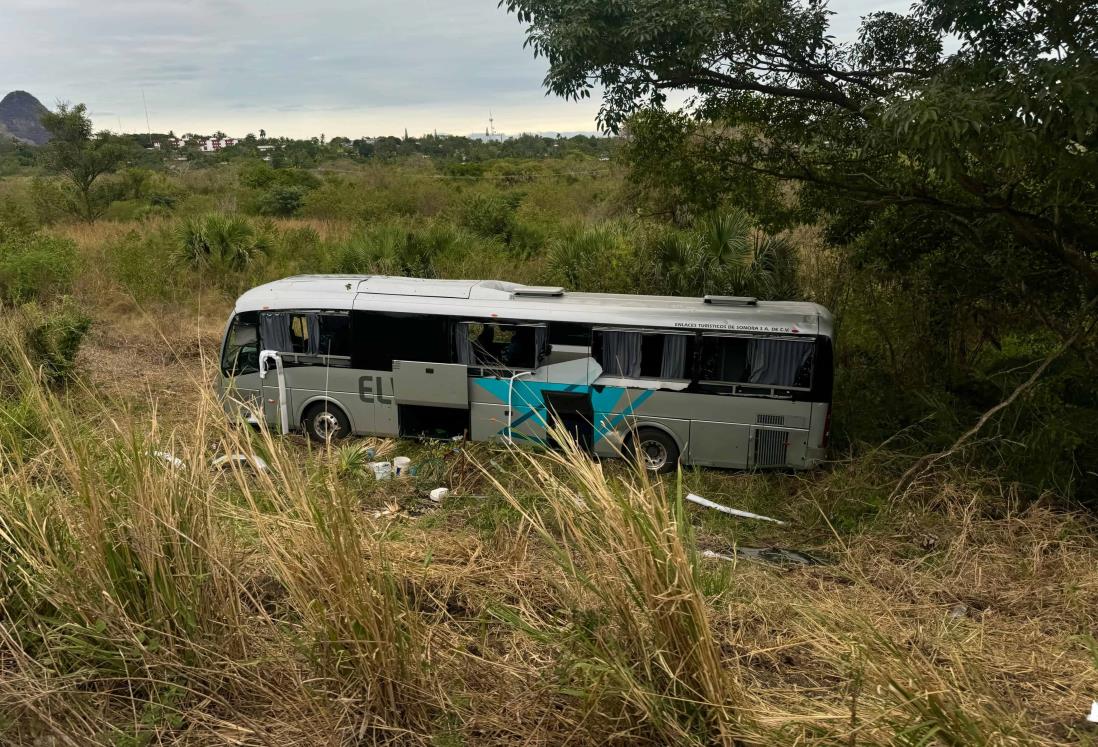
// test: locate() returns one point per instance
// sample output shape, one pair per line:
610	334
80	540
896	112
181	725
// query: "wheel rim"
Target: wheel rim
326	425
655	454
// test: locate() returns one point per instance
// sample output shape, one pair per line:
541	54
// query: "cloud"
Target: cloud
288	66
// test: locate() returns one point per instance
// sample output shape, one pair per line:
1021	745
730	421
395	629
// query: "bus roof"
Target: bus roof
496	298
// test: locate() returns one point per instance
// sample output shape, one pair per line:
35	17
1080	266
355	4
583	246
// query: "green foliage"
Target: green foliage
491	216
400	249
279	191
137	262
81	157
48	337
262	176
989	147
34	266
597	259
221	242
280	200
724	255
958	178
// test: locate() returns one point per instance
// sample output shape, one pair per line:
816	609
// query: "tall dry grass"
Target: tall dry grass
141	603
634	629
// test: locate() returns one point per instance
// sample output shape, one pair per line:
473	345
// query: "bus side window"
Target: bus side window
756	361
723	359
570	333
303	337
493	345
643	354
334	334
380	338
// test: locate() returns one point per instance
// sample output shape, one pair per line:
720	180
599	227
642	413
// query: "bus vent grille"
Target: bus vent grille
770	448
770	419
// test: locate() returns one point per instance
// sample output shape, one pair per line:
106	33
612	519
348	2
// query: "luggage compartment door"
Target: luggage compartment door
719	444
431	384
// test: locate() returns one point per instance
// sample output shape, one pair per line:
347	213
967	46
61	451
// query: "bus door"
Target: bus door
275	393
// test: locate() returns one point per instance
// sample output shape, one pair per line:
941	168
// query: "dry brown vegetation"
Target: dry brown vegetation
551	600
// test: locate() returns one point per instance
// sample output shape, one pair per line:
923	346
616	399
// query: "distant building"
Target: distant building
213	144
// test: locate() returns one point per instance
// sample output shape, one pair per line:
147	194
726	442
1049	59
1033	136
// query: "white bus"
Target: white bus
718	381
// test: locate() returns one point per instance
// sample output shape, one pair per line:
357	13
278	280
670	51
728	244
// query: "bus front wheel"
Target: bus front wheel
657	451
326	422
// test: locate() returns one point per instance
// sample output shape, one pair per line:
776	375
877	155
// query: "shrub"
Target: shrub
490	215
280	200
397	249
221	241
48	339
139	262
598	259
34	266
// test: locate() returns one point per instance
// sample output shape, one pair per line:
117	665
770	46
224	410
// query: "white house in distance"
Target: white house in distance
213	144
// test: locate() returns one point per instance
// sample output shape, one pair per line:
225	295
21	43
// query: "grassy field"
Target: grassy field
549	600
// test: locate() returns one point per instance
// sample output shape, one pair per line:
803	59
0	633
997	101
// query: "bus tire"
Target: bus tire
325	421
656	450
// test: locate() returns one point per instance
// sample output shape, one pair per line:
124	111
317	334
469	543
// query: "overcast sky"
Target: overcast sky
294	67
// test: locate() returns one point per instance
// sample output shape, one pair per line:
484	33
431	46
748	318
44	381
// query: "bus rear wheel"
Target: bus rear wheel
326	422
657	451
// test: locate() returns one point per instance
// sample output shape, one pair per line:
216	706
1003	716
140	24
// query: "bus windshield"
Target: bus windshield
240	354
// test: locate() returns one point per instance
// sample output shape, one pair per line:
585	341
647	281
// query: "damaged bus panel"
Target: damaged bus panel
720	381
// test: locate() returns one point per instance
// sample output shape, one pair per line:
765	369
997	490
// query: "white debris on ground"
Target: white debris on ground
731	511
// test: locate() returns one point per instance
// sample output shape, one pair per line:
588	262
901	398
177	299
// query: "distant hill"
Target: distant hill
20	118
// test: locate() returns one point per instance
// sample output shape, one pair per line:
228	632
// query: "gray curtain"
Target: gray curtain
673	365
463	349
541	339
313	343
776	362
621	354
274	331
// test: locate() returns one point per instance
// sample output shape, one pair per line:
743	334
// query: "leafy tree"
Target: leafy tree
988	150
951	150
82	158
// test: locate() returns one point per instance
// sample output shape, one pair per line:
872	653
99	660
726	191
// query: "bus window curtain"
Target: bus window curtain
673	365
776	362
463	349
313	343
621	354
541	340
274	330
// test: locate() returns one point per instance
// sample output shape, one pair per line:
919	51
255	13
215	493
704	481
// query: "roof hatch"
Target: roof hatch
538	291
732	300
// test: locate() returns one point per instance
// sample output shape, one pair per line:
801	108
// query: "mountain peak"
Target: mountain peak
21	118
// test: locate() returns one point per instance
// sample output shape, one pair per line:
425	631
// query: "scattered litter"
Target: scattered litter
243	460
170	459
391	509
401	466
771	555
439	493
382	470
725	509
1093	715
